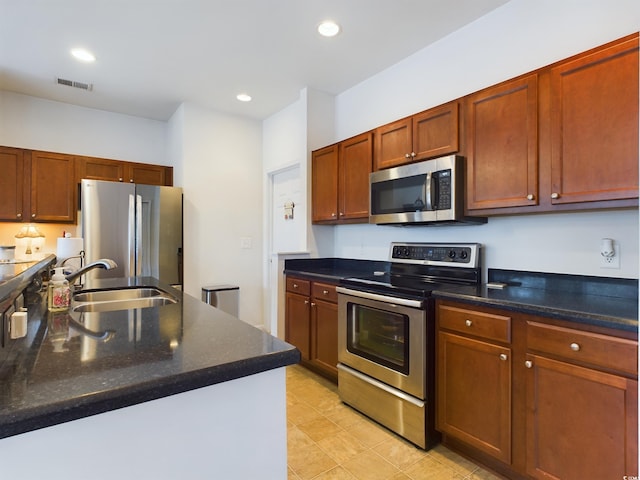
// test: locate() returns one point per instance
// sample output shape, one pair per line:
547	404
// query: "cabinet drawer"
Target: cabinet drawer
472	322
612	353
324	291
296	285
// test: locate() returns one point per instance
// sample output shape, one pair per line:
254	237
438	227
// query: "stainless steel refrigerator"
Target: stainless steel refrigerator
138	226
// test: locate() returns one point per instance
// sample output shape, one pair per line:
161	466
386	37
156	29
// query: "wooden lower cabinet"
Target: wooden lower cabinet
541	399
311	324
474	393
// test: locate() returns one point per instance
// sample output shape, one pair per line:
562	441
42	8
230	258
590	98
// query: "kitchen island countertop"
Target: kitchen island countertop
72	365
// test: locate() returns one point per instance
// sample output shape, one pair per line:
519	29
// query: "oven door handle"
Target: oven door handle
381	298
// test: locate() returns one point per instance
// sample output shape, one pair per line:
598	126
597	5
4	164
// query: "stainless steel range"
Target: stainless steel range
386	334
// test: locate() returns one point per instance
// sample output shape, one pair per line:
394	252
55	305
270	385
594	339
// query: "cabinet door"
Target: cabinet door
324	350
581	423
11	184
474	393
100	169
393	144
436	131
53	187
594	150
297	323
355	160
502	146
324	184
144	173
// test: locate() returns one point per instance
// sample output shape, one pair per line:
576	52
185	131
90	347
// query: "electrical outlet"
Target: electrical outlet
245	242
613	261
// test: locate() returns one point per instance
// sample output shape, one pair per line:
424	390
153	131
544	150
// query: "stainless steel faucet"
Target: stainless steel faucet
105	263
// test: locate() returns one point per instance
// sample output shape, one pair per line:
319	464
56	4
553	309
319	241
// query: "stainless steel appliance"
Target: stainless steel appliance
386	334
428	192
138	226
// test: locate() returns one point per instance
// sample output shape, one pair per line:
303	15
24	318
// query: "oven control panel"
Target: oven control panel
450	254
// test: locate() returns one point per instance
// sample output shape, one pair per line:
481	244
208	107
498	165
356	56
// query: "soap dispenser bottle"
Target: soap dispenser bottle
59	291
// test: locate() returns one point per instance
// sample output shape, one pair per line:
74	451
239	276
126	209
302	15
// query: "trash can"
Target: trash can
224	297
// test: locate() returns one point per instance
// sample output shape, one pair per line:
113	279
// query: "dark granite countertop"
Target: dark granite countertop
71	366
332	269
600	301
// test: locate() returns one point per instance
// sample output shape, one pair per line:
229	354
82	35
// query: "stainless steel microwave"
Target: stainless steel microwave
423	193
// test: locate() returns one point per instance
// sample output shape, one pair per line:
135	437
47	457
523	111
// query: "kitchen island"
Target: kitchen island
181	390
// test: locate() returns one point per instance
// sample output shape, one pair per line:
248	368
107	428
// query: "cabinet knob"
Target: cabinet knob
19	215
341	214
313	304
531	197
325	292
555	195
333	214
413	154
306	302
120	179
295	285
33	215
575	347
468	323
131	180
503	356
407	155
528	364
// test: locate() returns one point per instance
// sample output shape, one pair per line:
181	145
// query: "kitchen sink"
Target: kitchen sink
120	299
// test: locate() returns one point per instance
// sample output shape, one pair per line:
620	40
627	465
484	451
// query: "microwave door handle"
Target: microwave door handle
427	192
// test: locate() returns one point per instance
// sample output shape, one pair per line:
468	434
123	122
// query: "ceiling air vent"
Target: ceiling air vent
72	83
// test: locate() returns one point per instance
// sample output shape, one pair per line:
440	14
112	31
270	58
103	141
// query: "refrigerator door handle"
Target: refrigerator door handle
130	269
138	235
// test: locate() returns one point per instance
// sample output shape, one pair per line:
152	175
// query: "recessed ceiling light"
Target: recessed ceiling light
243	97
83	55
328	28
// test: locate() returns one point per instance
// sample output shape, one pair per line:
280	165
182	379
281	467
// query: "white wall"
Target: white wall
222	171
516	38
34	123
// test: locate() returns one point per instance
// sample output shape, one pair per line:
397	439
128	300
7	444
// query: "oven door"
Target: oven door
383	337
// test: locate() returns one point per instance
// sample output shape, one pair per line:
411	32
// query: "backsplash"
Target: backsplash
51	232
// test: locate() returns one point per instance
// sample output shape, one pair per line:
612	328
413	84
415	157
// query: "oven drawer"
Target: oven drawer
476	323
611	353
296	285
324	291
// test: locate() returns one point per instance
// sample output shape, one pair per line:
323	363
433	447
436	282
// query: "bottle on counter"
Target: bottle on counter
59	292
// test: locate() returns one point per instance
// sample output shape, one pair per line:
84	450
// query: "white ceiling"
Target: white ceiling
152	55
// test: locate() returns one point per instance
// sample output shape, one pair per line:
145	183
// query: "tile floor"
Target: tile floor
328	440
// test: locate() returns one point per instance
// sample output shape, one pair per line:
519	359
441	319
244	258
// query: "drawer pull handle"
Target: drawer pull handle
503	356
528	364
468	323
575	347
295	285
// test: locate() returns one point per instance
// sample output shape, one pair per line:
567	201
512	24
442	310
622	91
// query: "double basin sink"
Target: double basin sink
112	299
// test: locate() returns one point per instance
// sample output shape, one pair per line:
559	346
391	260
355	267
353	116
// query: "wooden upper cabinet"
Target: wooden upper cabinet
502	145
100	169
145	173
594	121
11	184
121	171
354	166
436	131
340	181
393	144
324	184
432	133
53	188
